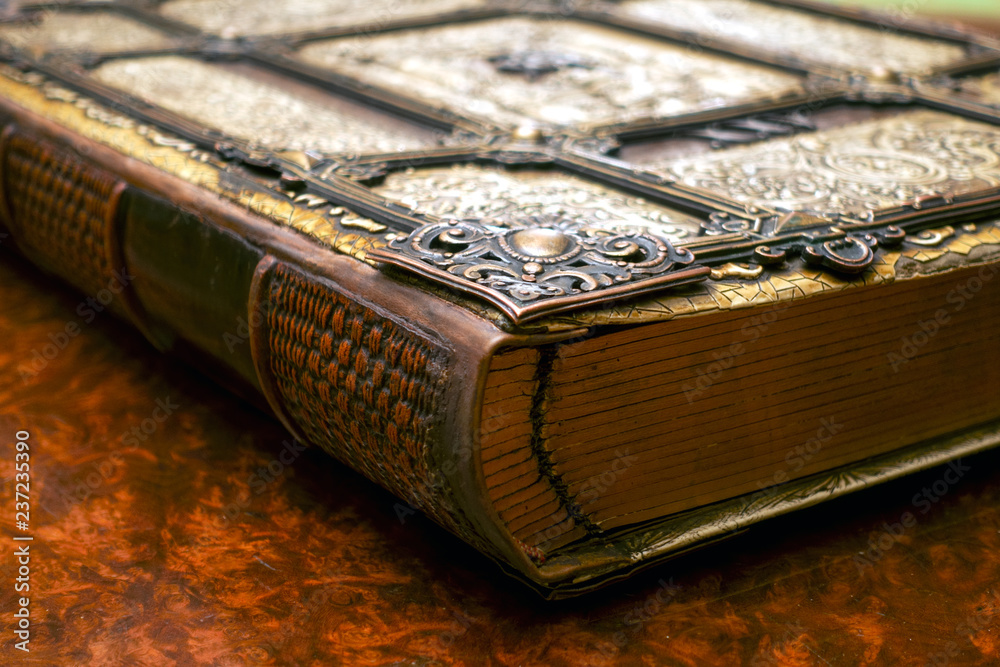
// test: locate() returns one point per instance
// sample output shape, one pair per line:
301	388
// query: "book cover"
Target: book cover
589	285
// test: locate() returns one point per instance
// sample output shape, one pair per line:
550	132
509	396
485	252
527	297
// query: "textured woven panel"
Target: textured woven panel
62	210
358	384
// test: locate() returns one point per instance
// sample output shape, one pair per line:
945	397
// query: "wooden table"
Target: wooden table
170	529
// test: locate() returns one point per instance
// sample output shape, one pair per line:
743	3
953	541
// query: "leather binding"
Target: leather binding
63	212
342	375
415	334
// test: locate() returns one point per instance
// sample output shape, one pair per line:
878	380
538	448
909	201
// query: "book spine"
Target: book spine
383	376
62	214
350	379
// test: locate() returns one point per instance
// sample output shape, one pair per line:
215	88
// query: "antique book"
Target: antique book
591	284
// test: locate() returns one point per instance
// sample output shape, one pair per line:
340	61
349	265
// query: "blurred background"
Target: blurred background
972	9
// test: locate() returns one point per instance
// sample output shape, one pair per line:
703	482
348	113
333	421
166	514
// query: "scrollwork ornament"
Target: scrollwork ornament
769	255
543	258
891	236
720	224
446	244
932	237
849	254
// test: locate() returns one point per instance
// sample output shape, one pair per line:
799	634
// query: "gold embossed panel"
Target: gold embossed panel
559	72
264	17
799	34
867	166
241	104
102	32
508	198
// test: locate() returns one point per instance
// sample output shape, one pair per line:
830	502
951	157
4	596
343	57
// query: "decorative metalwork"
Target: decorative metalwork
741	271
890	236
542	265
982	89
932	237
367	171
720	224
352	124
851	254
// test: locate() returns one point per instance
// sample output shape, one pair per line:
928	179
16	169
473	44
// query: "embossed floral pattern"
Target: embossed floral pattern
799	34
626	77
245	108
105	32
262	17
545	259
503	198
868	166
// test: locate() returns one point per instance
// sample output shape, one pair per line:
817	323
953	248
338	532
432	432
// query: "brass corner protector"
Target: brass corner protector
542	267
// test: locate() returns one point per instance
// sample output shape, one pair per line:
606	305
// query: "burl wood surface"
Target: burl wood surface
199	542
